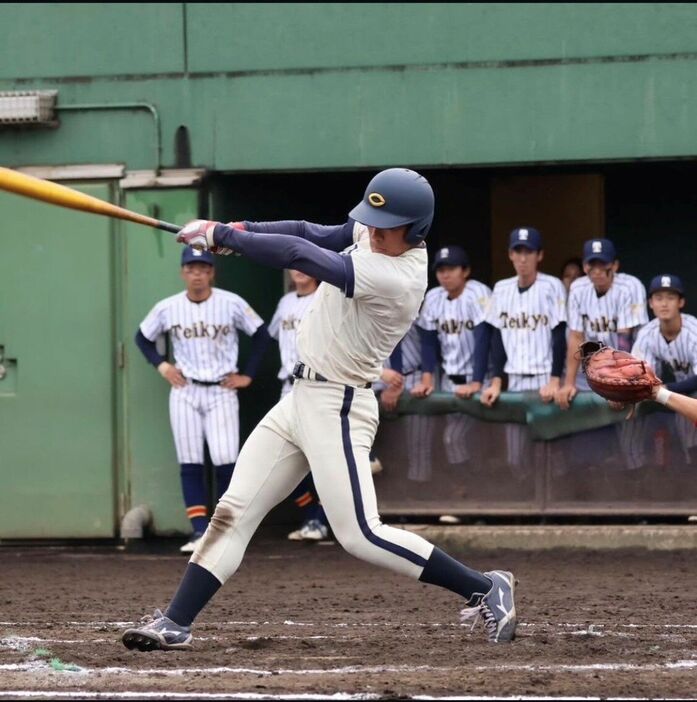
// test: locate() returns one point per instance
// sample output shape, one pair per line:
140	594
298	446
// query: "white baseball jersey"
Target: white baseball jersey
680	355
600	317
526	320
203	335
637	293
455	320
284	328
346	337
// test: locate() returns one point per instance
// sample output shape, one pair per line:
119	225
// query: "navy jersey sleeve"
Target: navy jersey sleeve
288	251
148	349
332	237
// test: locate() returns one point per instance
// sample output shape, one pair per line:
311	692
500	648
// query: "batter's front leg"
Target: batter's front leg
269	466
268	469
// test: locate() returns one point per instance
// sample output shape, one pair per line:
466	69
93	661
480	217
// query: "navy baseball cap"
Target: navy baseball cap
526	236
451	256
192	255
668	282
599	250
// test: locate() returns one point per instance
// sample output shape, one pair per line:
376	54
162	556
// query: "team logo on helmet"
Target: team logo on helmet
376	200
197	252
597	247
665	281
444	253
523	234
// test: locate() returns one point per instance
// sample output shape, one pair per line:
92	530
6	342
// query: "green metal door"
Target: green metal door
57	350
151	271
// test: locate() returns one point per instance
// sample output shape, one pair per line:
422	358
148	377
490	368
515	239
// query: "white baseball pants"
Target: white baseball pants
209	412
328	428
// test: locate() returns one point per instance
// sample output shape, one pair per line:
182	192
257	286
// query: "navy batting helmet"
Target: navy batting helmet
394	198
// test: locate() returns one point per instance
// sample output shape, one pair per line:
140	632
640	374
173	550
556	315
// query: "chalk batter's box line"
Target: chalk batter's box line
361	625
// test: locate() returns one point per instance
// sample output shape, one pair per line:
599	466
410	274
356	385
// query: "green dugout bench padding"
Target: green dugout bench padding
546	421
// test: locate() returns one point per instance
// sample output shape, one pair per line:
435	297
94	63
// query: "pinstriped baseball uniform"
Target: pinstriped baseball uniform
455	320
329	425
204	342
600	317
676	358
623	306
526	320
284	327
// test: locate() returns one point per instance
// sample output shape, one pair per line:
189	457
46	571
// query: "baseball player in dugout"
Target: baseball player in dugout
451	325
284	328
202	323
528	342
668	343
604	305
373	270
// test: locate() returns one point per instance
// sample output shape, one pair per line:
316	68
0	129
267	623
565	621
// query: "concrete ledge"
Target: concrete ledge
533	538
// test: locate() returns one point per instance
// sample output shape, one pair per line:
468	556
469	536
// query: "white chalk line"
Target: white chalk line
359	625
36	666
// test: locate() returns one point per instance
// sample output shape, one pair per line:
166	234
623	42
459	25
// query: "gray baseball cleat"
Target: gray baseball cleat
158	633
497	607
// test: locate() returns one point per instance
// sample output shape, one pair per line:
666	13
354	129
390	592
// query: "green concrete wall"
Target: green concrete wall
57	448
336	85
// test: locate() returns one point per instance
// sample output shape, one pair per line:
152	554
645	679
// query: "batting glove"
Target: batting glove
198	234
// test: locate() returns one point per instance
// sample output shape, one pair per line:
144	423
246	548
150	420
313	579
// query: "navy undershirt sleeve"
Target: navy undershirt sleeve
558	349
429	349
149	349
498	353
288	251
260	341
482	342
686	387
332	237
396	359
624	341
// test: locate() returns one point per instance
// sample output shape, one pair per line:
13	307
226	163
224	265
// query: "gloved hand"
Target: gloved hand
617	375
198	234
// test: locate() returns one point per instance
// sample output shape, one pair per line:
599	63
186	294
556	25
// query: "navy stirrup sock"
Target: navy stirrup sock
195	590
445	571
222	477
195	496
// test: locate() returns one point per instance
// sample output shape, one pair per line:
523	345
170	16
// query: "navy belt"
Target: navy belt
458	379
301	371
205	382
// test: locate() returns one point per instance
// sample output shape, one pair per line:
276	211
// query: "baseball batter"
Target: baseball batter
452	328
284	328
528	313
202	325
374	273
668	343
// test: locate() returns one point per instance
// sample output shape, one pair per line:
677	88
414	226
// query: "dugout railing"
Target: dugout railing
445	455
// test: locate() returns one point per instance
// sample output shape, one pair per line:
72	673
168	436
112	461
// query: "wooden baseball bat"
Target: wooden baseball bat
55	194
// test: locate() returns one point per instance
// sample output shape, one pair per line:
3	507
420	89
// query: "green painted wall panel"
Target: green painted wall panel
474	95
339	120
90	39
151	273
56	404
281	36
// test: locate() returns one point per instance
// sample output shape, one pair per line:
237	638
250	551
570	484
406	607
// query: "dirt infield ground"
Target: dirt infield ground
310	619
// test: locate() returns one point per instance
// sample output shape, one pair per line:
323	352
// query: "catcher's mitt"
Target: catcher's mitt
617	375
